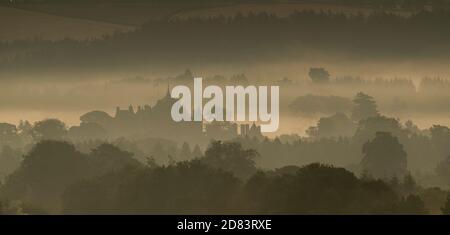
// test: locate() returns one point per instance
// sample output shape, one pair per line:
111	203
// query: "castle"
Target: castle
156	121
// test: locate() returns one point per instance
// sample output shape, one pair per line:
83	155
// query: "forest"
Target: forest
260	37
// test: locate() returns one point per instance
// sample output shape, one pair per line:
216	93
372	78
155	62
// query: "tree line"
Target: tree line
244	37
56	178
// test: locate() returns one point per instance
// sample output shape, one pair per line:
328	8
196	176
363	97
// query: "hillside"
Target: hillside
24	24
126	13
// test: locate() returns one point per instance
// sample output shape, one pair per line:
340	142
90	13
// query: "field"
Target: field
133	14
24	24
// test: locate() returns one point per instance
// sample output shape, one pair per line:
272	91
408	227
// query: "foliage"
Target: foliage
384	156
364	107
49	129
230	156
319	75
446	208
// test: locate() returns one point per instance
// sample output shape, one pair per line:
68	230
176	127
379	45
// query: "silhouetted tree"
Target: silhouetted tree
413	205
367	128
24	126
440	137
384	156
9	160
364	106
317	189
319	75
44	173
409	184
98	117
151	162
230	156
337	125
446	207
109	158
185	187
443	170
49	129
8	134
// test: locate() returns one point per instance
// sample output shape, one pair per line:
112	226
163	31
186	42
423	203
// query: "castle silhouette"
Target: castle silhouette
156	121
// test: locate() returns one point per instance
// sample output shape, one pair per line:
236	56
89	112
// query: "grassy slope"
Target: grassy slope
23	24
117	13
136	13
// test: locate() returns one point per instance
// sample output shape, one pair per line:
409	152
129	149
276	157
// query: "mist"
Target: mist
85	107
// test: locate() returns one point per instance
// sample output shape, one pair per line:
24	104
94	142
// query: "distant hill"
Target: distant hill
137	12
24	24
118	12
